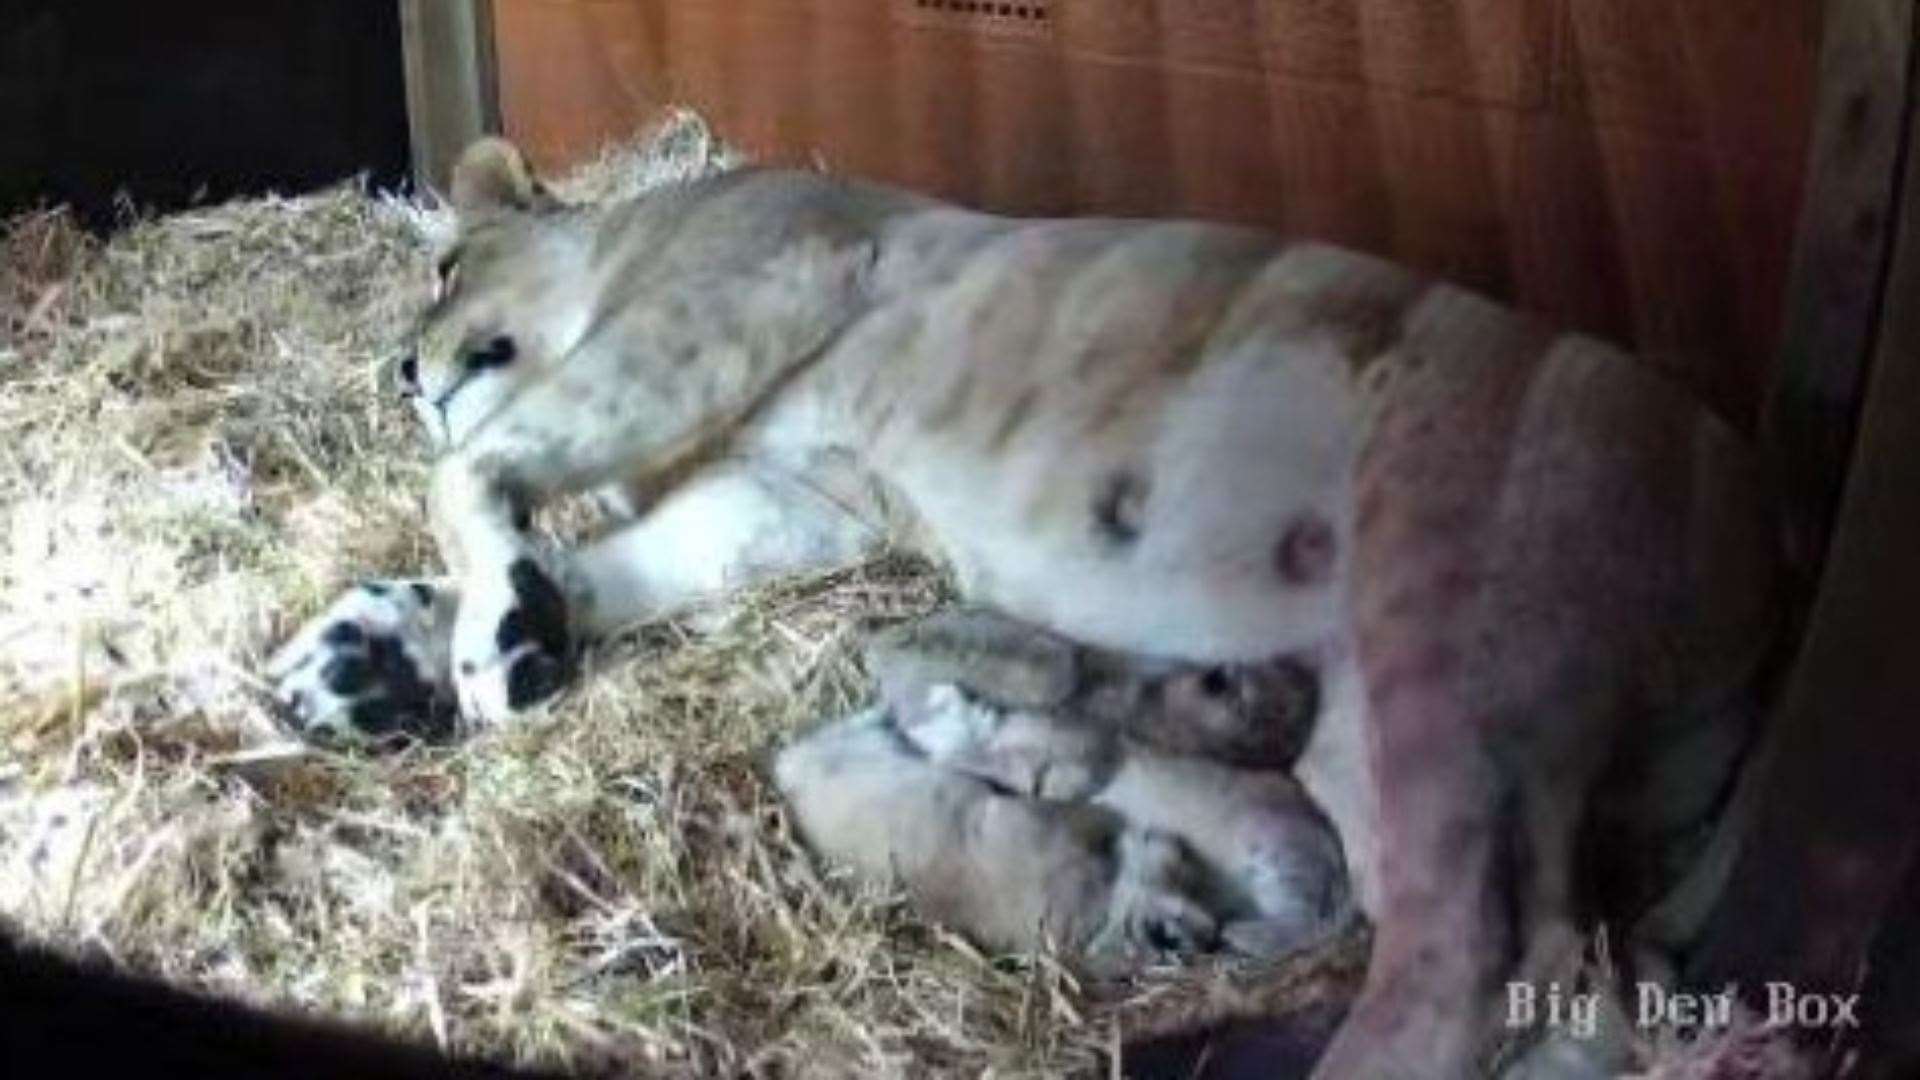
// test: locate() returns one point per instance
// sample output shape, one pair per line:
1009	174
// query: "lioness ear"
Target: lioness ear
492	174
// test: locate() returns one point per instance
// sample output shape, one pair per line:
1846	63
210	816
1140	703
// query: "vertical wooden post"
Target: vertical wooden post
1840	256
452	97
1835	821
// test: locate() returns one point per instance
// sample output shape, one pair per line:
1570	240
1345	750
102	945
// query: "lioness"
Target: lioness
1514	560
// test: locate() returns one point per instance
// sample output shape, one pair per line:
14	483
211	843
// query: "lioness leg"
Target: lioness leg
386	657
731	527
1524	607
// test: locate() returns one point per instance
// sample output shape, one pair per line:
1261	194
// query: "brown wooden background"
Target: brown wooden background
1631	167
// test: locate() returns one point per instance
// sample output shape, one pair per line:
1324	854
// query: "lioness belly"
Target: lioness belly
1139	435
1220	536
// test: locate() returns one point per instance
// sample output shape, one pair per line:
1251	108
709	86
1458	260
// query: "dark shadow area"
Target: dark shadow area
1278	1048
73	1019
179	105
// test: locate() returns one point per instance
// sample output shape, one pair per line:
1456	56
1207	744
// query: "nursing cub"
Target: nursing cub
1033	791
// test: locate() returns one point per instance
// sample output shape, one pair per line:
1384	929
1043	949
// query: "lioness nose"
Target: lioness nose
410	375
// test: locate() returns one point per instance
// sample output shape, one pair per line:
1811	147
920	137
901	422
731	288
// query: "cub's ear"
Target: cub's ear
492	175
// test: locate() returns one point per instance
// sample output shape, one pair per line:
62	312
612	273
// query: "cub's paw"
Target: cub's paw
373	666
511	645
948	726
1154	912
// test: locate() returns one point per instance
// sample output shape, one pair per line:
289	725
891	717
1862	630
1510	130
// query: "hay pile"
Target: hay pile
198	449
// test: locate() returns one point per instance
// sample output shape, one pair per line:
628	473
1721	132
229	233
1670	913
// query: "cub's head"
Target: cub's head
511	298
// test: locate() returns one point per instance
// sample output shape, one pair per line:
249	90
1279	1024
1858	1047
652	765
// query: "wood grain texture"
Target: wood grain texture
452	99
1840	256
1834	827
1837	824
1631	167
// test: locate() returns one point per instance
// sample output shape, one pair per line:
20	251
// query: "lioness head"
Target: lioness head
510	299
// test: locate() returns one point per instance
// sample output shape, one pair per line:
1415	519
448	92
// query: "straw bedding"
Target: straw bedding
199	447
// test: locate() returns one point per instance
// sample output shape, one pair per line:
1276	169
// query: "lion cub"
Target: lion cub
1256	715
1014	873
1036	787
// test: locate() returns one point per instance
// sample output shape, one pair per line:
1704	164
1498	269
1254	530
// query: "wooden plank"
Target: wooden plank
575	77
451	92
1634	174
1834	822
1840	257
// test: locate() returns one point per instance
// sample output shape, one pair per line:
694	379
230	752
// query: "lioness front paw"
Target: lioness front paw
511	645
372	666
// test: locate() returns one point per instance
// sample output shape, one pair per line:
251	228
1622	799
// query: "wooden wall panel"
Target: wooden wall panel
575	76
1632	167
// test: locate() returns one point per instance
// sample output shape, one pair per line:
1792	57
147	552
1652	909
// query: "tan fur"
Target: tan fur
1026	711
1013	873
1041	717
1505	554
493	173
1253	714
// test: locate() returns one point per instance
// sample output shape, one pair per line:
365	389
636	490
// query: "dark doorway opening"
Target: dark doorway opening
178	105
